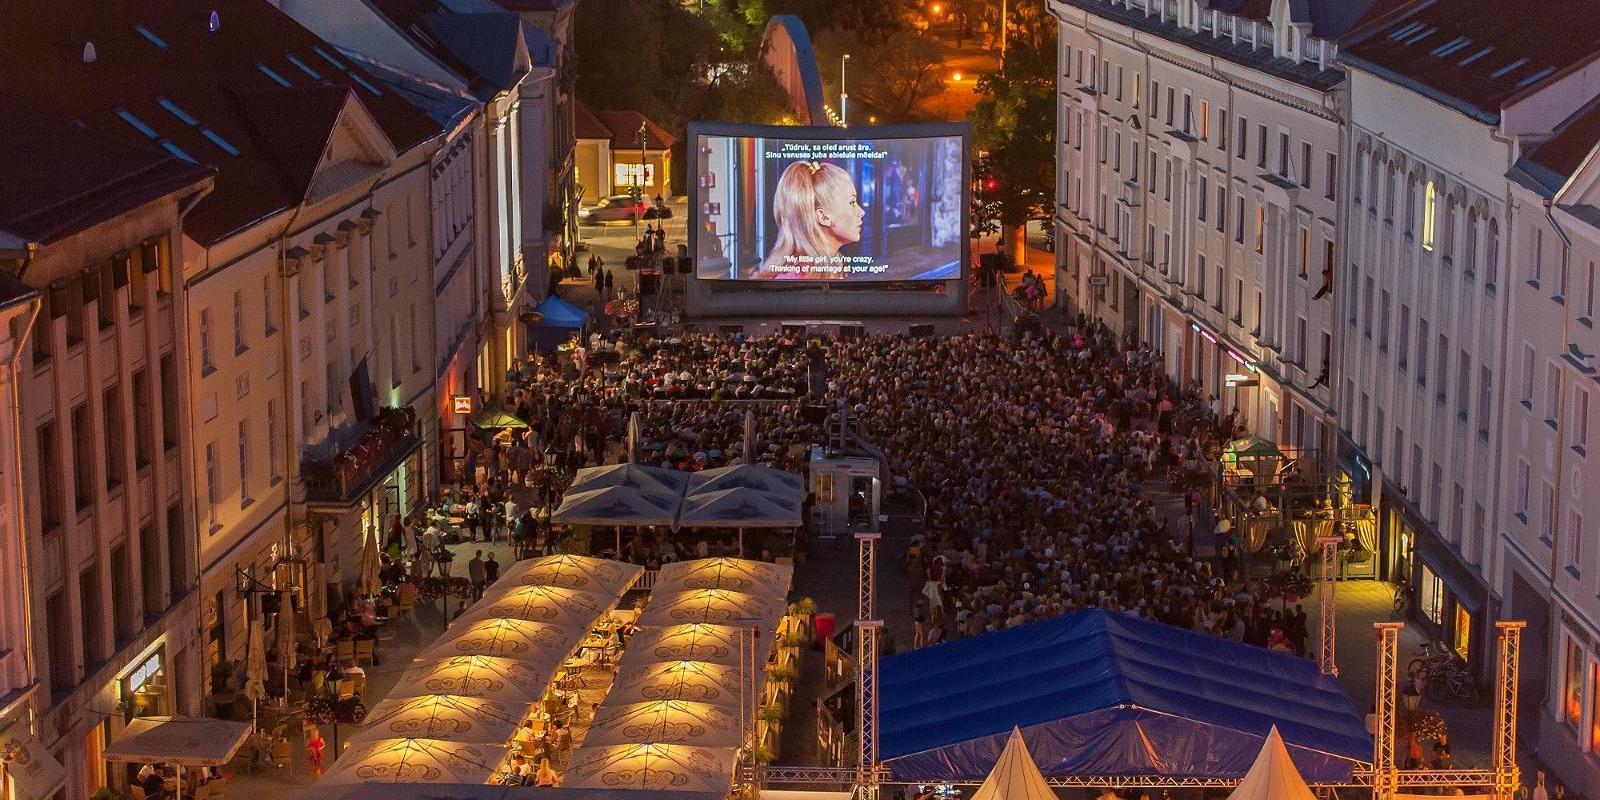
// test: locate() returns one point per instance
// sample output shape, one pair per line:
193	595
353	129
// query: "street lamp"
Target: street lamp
844	99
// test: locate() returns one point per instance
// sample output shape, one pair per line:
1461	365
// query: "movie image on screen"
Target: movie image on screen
865	210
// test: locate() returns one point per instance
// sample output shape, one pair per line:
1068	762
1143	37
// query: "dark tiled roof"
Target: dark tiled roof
624	127
484	47
13	291
1478	55
585	125
60	177
162	77
1573	141
535	5
1302	72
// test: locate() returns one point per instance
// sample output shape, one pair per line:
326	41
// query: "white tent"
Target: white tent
504	680
733	574
681	722
618	505
653	766
749	476
655	480
1015	776
469	720
739	507
716	644
185	741
713	605
568	608
1273	776
693	681
529	642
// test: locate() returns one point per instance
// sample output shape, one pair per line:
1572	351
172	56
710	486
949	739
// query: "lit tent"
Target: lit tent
733	574
414	761
1098	693
1016	777
1273	776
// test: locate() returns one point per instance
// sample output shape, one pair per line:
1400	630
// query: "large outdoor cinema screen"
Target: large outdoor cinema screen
866	205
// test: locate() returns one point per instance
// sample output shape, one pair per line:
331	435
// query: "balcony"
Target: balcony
360	459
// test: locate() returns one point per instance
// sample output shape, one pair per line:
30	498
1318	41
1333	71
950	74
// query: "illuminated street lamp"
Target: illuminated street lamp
844	99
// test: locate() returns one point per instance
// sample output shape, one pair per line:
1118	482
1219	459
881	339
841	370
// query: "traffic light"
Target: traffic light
990	184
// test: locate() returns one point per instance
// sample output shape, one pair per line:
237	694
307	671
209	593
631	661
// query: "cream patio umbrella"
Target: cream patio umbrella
652	766
415	761
714	606
597	575
716	644
739	508
503	680
733	574
444	717
695	681
567	608
370	584
317	602
255	666
676	722
530	642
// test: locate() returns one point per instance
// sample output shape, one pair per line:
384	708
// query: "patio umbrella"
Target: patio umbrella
617	505
502	680
444	717
716	644
630	476
531	642
732	574
712	605
496	420
414	761
749	476
568	608
695	681
255	665
652	766
676	722
317	601
596	575
370	584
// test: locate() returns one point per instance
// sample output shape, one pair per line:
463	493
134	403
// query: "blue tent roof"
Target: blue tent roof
1102	693
559	313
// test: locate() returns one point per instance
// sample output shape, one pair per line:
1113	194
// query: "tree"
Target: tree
749	94
1014	123
890	72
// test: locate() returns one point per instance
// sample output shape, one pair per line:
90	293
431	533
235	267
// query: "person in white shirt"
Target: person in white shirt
511	518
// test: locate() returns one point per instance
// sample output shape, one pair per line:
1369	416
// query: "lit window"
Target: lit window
1572	686
1429	208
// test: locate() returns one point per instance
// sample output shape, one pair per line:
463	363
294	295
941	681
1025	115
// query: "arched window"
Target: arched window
1447	228
1411	203
1430	205
1388	193
1492	258
1360	175
1471	254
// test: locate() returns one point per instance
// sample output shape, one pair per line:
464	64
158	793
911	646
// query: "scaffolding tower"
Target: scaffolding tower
868	629
1385	780
1327	636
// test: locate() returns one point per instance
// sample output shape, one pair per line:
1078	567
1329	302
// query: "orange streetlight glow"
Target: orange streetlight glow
955	76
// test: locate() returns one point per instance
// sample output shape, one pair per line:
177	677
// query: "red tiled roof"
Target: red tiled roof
1565	151
232	110
1481	54
624	127
61	178
585	125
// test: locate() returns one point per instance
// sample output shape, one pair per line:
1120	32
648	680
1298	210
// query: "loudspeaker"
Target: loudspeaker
922	331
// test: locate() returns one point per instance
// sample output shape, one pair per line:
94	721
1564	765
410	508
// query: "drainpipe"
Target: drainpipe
1561	398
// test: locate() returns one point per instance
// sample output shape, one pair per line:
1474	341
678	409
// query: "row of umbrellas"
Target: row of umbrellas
738	496
677	712
462	699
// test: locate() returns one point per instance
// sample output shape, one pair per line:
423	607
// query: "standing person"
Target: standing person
491	570
510	517
314	748
607	284
599	282
476	573
430	541
472	518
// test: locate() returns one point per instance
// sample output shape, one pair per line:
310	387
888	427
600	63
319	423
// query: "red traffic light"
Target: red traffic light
990	185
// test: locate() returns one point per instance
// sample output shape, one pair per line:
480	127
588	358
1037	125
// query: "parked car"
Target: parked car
616	208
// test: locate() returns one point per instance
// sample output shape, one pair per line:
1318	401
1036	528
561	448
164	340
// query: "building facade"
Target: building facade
1442	100
107	567
1197	196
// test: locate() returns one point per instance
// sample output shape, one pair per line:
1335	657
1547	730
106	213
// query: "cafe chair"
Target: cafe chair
364	652
345	652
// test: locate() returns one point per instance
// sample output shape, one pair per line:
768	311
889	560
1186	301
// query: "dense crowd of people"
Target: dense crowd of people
1032	453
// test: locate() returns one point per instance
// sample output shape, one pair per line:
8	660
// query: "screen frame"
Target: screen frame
928	130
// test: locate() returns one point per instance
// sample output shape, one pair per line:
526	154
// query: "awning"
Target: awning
503	680
186	741
491	420
716	644
35	774
473	791
1016	777
551	605
695	681
1464	586
1273	776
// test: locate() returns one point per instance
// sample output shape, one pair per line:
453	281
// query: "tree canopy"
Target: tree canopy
1014	122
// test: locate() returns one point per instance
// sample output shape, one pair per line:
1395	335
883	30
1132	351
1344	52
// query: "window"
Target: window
1528	358
238	323
1405	335
212	483
50	496
1222	129
416	342
1432	596
1305	164
1261	228
1119	82
1258	312
1205	121
1094	70
143	440
1201	277
1422	350
1238	221
1522	491
244	463
1547	512
1331	178
1243	143
1491	258
1463	384
83	453
207	364
1430	201
1171	105
1300	341
268	313
1580	420
1594	713
1221	288
1222	207
1261	146
1283	154
1574	539
1538	256
1204	195
1366	317
1167	194
1552	394
169	407
105	276
116	467
1572	685
1136	88
1305	253
1588	295
272	441
1485	399
1238	300
1471	255
1155	98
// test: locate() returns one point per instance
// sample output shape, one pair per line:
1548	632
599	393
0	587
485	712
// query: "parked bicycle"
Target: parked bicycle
1441	674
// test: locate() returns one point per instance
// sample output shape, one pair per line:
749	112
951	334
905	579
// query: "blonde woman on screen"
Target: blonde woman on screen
817	212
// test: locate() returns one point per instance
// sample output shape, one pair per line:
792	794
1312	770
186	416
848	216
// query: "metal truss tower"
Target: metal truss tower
868	630
1327	636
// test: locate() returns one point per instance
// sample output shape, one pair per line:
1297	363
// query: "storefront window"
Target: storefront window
1463	632
144	688
1594	712
1432	596
1572	687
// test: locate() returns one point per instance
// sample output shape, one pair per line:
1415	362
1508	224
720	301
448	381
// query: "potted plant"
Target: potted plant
781	673
803	610
772	715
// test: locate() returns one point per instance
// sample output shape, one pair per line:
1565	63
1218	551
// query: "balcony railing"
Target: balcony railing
349	473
